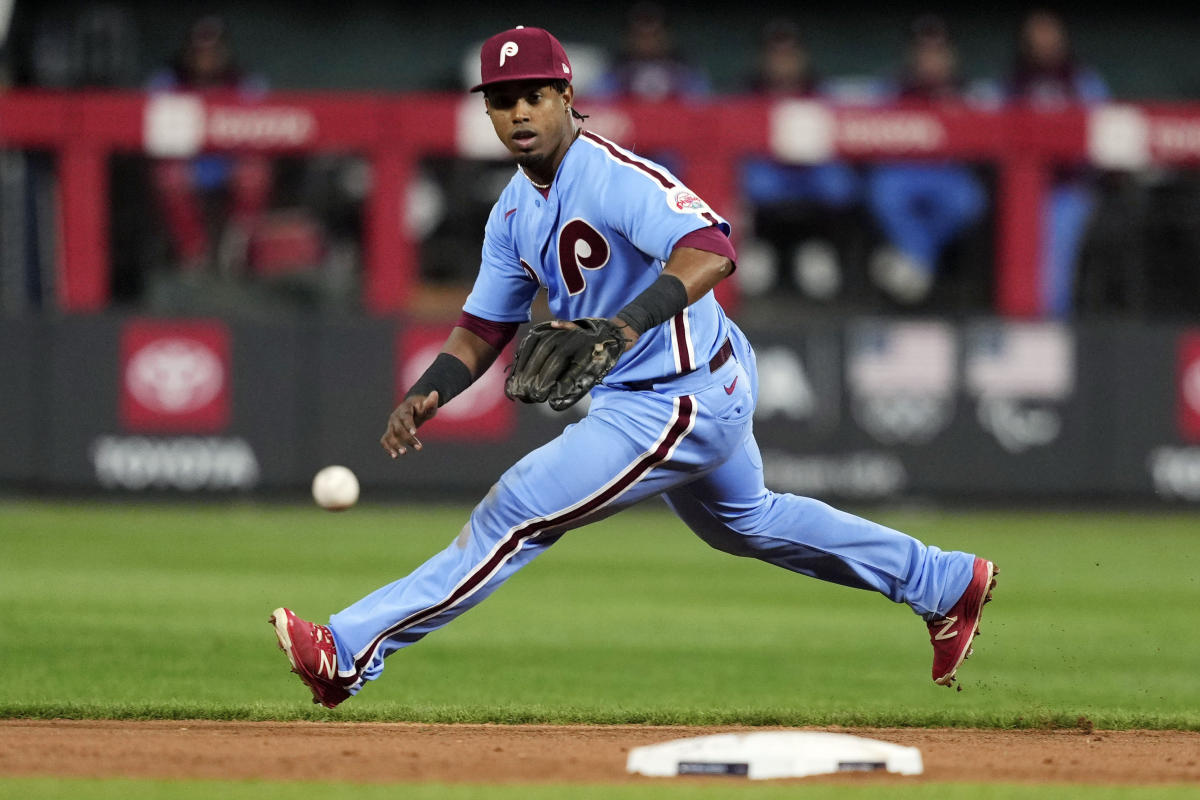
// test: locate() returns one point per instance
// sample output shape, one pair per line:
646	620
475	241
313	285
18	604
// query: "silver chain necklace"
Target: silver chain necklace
535	183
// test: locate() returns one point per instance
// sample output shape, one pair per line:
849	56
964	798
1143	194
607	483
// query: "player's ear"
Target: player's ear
568	96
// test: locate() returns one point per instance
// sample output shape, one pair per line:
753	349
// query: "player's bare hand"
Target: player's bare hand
631	336
402	425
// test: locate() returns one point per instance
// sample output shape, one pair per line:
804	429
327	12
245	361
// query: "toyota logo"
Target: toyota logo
174	375
1191	386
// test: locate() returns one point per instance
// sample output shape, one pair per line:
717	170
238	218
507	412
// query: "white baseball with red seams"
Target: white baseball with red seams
335	488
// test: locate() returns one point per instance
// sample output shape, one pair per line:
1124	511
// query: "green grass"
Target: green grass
144	611
46	788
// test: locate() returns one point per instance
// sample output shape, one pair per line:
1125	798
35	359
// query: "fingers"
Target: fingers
402	425
629	334
400	434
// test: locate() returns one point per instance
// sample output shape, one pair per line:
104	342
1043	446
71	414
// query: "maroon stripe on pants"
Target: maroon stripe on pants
680	424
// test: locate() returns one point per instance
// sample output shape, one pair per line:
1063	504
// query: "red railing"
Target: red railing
394	131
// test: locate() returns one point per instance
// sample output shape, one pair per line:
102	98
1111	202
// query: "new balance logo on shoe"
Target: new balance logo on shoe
328	667
945	632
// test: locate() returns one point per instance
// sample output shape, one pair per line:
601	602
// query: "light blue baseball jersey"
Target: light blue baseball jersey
611	211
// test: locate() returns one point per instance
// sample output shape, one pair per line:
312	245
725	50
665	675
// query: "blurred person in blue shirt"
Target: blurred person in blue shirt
1047	75
649	67
239	184
801	210
921	207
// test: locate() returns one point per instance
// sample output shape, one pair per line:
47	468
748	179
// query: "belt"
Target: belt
715	363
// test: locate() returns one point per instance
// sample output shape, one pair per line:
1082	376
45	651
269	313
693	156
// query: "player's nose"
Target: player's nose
521	111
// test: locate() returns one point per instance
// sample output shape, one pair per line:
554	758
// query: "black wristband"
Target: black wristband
446	375
662	300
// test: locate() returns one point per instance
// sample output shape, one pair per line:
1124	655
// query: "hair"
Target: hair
929	26
560	85
781	30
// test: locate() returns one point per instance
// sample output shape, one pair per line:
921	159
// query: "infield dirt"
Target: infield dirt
396	752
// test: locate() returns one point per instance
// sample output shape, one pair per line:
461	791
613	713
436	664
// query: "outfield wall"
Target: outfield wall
872	409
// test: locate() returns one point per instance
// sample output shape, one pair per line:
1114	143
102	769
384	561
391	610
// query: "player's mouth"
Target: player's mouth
524	139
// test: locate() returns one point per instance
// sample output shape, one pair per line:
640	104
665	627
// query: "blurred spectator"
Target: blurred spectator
784	66
104	47
922	207
210	194
7	59
80	46
803	214
1047	75
649	67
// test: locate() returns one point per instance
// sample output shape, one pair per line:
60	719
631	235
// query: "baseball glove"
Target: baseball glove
561	365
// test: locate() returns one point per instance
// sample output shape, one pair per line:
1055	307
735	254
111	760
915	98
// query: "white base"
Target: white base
773	754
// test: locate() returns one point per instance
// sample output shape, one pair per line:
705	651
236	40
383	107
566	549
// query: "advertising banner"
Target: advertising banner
185	405
870	409
20	400
175	376
1188	393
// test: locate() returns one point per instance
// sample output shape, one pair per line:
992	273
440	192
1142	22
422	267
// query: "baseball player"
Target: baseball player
629	257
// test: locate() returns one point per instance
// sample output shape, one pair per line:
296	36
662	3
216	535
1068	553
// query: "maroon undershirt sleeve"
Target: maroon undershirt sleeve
711	240
497	334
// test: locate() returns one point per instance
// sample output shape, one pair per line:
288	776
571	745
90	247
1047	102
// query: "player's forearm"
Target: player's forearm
689	275
471	350
462	360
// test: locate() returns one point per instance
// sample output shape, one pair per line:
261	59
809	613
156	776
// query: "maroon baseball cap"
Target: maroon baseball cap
522	54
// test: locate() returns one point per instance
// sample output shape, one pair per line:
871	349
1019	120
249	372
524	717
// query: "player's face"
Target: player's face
533	120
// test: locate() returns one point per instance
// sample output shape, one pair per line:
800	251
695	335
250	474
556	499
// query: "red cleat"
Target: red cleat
952	634
313	654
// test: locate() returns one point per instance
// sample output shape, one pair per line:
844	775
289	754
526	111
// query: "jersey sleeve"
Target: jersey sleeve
654	210
504	288
712	240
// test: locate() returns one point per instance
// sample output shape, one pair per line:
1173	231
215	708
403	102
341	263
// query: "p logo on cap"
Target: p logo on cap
508	49
522	54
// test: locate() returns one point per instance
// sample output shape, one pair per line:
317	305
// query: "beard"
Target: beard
531	160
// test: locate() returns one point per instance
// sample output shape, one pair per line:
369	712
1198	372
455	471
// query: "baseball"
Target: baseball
335	488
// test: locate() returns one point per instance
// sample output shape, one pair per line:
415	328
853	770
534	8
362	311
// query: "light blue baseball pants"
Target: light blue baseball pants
690	441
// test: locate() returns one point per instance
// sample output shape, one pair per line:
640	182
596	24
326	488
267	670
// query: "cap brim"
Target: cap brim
519	79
